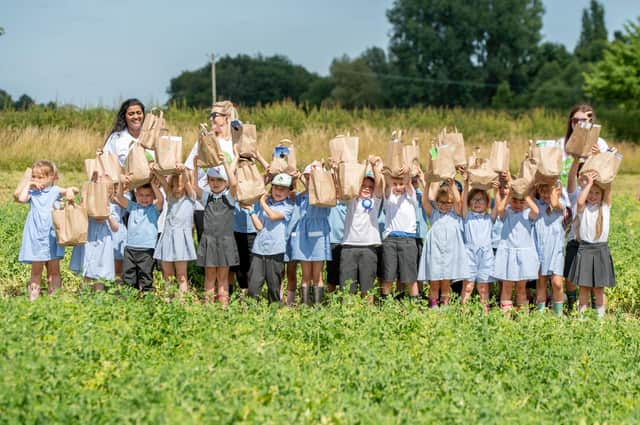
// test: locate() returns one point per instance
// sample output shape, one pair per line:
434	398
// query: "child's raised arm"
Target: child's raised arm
427	199
155	186
465	195
254	217
587	179
453	189
194	177
572	177
230	170
119	196
376	162
556	191
534	210
273	215
502	196
188	186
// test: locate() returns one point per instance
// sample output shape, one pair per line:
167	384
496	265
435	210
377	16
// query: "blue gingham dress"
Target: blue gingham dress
549	240
176	240
311	239
478	229
39	242
516	255
95	259
444	255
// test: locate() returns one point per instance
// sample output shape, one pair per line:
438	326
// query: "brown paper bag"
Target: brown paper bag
151	127
520	187
250	182
411	155
606	164
136	166
548	157
96	195
499	158
442	166
104	164
322	189
582	139
395	164
481	176
24	182
168	154
245	138
71	225
208	149
284	163
344	148
457	140
350	176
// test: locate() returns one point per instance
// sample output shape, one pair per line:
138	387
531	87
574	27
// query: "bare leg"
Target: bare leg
117	266
223	285
600	301
506	293
467	290
53	276
210	277
34	280
434	293
181	276
585	299
292	282
541	293
521	294
445	291
483	291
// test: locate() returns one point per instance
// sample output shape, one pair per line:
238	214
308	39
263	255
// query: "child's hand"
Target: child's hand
180	167
247	207
99	152
70	194
465	174
595	149
222	158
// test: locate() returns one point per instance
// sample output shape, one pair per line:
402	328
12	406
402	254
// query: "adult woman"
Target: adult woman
126	128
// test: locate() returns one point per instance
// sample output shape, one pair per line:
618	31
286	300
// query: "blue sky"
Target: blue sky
97	52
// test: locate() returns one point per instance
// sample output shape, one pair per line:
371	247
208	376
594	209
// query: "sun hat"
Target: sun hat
217	173
281	179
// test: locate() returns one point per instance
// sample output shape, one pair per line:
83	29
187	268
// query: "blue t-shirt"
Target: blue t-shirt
337	216
142	228
272	239
242	220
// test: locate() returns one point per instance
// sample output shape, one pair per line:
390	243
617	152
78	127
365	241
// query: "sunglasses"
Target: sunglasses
575	120
214	115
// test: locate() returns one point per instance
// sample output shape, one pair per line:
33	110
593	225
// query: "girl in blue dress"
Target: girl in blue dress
118	237
549	240
516	259
443	256
310	242
175	248
478	228
39	246
94	260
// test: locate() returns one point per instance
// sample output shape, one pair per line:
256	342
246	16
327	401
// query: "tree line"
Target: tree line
441	54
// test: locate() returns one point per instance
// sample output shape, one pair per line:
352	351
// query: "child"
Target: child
359	261
399	249
95	259
549	240
337	217
421	224
478	228
217	250
175	246
142	232
310	242
444	257
118	237
592	268
39	246
269	247
516	257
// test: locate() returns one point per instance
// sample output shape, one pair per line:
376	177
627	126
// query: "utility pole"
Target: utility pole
213	78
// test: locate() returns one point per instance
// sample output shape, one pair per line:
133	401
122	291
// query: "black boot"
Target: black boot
319	294
305	296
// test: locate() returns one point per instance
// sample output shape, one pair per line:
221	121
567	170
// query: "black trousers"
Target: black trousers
269	268
198	219
244	242
137	268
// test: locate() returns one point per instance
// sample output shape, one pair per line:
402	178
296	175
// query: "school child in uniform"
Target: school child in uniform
337	217
549	240
399	249
270	220
310	243
359	258
39	246
217	250
291	265
175	247
571	249
516	259
94	260
444	257
478	229
118	237
142	232
592	269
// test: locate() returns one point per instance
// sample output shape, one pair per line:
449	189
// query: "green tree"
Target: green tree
1	30
244	79
6	101
452	54
616	78
593	37
355	84
24	102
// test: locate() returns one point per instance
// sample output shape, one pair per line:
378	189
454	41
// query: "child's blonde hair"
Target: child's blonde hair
175	180
49	167
445	193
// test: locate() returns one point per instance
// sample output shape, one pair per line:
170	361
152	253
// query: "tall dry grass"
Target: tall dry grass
69	147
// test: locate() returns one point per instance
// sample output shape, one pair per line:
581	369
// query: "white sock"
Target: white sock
600	311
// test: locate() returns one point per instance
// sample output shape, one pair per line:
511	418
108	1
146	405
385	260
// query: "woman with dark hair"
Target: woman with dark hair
126	128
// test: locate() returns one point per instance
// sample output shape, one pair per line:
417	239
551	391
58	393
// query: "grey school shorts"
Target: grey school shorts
358	265
400	259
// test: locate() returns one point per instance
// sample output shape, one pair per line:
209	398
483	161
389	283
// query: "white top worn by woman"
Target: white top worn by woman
118	144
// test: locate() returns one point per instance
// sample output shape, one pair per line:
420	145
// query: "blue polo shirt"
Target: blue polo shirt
242	220
142	227
272	239
337	216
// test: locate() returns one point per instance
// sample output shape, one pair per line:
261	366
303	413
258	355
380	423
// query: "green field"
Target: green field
81	357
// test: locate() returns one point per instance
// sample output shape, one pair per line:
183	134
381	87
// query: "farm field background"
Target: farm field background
99	358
